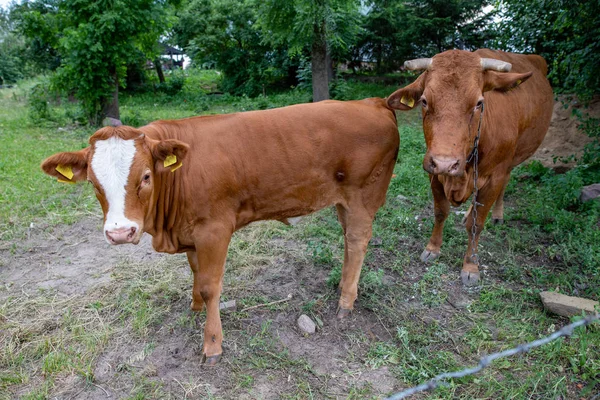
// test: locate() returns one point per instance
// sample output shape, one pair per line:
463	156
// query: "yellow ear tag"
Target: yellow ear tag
518	82
407	101
64	181
65	170
170	160
175	168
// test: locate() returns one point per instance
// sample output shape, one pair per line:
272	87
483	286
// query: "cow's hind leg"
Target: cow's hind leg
197	301
211	251
357	223
441	209
498	210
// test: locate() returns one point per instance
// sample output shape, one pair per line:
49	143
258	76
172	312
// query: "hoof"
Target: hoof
343	312
497	221
197	306
429	256
212	360
469	278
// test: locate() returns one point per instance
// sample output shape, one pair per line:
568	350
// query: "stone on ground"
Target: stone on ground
567	306
590	192
306	324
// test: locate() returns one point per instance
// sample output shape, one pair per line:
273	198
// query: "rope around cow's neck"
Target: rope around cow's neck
474	156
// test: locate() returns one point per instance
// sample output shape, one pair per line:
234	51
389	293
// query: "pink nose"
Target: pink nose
443	166
122	235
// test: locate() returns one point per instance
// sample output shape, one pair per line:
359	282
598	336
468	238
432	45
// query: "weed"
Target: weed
431	285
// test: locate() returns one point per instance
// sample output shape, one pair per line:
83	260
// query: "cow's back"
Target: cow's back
528	107
285	162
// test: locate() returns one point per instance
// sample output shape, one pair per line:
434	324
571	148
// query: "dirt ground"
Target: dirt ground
75	261
68	258
564	138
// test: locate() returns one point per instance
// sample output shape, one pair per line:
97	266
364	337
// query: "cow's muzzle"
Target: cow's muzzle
122	235
449	166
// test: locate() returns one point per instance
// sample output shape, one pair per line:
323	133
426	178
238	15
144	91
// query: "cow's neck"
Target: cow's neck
165	210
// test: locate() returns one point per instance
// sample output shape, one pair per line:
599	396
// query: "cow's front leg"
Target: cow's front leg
211	252
487	195
357	223
441	208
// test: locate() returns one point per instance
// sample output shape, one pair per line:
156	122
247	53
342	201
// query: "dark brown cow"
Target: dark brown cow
456	87
191	183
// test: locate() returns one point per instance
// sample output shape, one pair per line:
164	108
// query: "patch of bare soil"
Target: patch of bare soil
564	139
264	344
68	259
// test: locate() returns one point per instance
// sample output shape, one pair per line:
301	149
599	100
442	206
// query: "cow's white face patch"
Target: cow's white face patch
111	164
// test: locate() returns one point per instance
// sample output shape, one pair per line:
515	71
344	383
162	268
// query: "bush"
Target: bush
339	89
39	102
172	85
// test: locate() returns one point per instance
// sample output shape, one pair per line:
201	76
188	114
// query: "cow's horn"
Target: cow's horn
496	65
418	64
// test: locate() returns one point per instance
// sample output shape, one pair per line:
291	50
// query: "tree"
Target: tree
11	51
100	37
566	33
383	39
438	25
319	25
224	34
94	40
397	30
40	23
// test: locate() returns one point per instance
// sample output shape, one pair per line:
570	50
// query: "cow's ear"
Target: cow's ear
503	81
69	167
406	98
170	151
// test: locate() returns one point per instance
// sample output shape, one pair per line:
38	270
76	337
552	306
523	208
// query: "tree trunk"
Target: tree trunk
330	71
159	71
111	105
320	81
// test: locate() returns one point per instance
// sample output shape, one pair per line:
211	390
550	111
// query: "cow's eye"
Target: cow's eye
423	102
146	177
479	104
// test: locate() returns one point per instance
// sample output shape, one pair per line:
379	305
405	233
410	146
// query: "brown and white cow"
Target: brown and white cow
191	183
456	87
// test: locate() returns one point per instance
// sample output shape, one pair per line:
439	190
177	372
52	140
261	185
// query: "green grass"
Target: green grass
404	327
27	195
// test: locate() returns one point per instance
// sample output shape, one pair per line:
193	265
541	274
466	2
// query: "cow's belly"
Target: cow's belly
289	203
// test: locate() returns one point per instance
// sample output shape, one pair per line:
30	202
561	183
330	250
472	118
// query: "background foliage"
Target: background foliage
94	49
565	33
259	46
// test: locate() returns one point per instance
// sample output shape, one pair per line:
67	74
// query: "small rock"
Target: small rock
401	198
108	121
294	221
376	241
306	324
458	299
567	306
227	305
590	192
